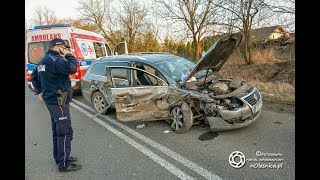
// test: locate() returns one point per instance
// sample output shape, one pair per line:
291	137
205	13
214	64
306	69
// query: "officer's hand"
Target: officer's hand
64	51
40	97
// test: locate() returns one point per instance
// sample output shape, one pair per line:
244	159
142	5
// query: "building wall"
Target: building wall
275	35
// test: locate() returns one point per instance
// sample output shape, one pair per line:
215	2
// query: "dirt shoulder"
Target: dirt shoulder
281	108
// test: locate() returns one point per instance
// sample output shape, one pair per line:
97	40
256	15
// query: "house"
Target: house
269	33
261	34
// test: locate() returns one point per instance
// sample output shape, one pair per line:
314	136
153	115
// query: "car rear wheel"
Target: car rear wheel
99	102
182	118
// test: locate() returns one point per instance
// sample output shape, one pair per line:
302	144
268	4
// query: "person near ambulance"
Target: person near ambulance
53	86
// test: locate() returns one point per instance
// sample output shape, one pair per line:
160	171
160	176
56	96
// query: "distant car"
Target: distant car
162	86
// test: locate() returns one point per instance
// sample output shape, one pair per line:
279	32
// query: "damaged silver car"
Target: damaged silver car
162	86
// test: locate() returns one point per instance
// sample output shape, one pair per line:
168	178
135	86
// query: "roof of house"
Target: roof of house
259	34
265	32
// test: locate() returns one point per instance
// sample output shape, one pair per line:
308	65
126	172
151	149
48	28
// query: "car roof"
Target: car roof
152	58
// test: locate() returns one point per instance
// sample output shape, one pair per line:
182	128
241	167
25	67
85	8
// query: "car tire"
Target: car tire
182	118
99	102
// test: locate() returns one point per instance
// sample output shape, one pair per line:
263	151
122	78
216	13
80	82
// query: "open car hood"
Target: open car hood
216	55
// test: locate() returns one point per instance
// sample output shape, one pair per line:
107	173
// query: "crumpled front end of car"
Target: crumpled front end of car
227	103
242	114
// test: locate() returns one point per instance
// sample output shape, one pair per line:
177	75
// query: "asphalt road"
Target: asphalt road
108	149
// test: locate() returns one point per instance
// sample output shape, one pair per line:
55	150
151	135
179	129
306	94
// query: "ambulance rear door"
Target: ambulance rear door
37	44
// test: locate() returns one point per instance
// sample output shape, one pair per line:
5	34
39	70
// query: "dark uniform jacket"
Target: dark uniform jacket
52	74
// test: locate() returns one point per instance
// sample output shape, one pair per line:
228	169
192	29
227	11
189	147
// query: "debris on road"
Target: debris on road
166	131
140	126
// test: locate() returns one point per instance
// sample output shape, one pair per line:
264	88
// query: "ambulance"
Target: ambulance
86	46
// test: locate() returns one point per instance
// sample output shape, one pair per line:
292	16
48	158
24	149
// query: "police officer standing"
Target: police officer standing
52	84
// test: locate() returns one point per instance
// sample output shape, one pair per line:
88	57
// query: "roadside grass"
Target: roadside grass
261	73
258	56
281	93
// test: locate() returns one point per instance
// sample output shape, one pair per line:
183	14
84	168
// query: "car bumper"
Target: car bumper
30	86
219	124
238	117
76	85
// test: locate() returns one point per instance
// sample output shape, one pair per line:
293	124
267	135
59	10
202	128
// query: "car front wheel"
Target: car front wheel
182	118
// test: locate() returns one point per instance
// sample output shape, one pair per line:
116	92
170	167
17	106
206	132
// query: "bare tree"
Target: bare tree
282	6
44	16
148	37
285	10
83	24
132	17
96	12
153	27
231	19
246	13
197	15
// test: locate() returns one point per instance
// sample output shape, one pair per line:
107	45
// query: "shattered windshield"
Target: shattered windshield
178	68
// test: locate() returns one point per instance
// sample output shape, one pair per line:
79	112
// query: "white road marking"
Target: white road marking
191	165
173	169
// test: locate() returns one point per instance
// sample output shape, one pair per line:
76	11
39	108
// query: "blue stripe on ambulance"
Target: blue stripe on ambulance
31	67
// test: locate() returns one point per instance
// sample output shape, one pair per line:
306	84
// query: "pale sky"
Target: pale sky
63	8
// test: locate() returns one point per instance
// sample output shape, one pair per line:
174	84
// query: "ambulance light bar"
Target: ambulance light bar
50	26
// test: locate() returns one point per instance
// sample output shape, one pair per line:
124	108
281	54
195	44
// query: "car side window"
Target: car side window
120	76
99	69
145	79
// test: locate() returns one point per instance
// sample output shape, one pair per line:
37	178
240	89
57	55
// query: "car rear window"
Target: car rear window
119	72
99	69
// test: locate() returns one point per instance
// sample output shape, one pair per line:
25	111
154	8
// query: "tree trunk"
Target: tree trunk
246	50
249	53
196	49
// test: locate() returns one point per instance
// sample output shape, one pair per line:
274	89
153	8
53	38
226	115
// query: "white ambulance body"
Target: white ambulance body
86	46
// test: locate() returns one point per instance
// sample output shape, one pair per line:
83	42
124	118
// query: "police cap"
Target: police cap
57	41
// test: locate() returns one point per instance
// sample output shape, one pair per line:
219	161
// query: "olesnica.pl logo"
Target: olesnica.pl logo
237	159
262	160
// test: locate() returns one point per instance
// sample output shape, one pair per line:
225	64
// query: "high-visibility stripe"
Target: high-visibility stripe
64	150
77	51
85	36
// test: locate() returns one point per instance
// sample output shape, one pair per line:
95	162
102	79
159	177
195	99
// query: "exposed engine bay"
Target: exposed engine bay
223	99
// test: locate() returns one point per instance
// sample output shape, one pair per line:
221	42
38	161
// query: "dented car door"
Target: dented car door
135	102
